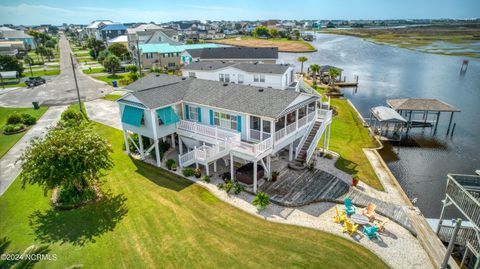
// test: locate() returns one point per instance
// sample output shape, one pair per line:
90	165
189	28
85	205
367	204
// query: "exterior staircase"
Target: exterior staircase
299	162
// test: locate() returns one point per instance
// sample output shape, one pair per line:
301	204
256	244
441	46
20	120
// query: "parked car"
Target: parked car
34	81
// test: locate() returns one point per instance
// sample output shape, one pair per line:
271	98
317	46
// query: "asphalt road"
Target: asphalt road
59	90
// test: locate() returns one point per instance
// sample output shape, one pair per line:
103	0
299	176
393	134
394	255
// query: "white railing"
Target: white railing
282	133
186	158
291	128
304	138
279	134
259	135
320	131
206	130
302	121
307	88
322	113
254	149
205	154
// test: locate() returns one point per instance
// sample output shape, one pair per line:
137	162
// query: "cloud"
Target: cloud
218	8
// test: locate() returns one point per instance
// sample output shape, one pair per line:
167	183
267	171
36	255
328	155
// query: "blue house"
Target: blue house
213	120
111	31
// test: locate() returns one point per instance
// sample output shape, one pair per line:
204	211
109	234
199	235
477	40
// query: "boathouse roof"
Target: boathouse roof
418	104
383	113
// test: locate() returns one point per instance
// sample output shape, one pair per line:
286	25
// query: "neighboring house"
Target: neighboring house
18	45
15	35
276	76
166	55
7	49
111	31
119	39
92	30
215	121
231	54
150	34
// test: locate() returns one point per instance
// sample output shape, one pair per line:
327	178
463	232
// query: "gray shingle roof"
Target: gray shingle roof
160	91
420	104
247	67
235	53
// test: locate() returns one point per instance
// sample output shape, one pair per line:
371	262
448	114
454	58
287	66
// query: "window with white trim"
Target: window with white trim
240	78
192	75
225	120
262	78
256	78
193	111
224	77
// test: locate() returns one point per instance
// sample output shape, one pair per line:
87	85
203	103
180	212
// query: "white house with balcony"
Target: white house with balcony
208	121
277	76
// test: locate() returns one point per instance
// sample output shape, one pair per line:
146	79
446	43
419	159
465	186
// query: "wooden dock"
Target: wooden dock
296	188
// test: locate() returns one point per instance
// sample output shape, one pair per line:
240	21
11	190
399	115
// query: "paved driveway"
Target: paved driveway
105	112
58	90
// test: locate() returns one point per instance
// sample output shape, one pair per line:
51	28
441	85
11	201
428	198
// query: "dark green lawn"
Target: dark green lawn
153	219
7	141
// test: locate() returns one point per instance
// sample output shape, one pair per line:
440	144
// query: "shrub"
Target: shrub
14	118
174	166
206	178
226	176
13	128
197	172
261	200
28	119
170	163
228	187
71	115
68	198
220	186
188	172
237	188
328	156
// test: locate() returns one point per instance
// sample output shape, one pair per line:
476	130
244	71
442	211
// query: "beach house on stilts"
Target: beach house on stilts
210	121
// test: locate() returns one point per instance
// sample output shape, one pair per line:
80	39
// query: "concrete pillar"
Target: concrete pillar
269	166
173	140
255	176
180	146
140	144
261	129
157	153
207	171
296	119
232	173
215	166
328	138
290	152
125	138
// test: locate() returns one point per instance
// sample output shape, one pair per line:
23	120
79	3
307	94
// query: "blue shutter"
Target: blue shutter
199	112
167	115
132	115
187	112
239	123
211	117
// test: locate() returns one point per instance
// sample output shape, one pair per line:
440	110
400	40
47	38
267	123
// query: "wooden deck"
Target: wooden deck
296	188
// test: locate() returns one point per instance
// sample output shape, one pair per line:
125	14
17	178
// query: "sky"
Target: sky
31	12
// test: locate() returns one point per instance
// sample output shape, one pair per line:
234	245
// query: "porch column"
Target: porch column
232	174
261	129
173	140
296	119
215	166
140	143
290	152
207	171
247	126
255	176
269	160
272	131
180	146
440	219
125	138
195	157
328	139
157	153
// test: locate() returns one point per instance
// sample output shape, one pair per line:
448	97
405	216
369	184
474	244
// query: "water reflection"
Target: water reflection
421	162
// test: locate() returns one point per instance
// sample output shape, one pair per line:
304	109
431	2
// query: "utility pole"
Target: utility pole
451	244
76	83
138	58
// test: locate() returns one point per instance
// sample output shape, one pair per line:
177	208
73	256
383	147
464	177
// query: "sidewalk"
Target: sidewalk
9	170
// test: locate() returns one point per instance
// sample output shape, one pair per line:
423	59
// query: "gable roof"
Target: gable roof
383	113
421	105
235	53
247	67
14	34
167	48
95	24
156	91
119	39
113	27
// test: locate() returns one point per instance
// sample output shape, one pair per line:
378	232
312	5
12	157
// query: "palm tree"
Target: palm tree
40	50
333	73
315	68
28	60
302	59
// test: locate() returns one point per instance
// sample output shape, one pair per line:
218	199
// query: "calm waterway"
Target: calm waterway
386	72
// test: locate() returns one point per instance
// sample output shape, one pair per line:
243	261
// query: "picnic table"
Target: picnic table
359	219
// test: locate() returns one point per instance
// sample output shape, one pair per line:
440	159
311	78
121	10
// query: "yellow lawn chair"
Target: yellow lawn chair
340	217
350	227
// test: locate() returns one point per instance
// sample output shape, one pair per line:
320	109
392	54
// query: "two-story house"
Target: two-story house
231	54
92	30
278	76
112	31
208	121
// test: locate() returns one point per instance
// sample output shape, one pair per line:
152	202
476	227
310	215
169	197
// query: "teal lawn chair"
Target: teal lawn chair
371	231
349	208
